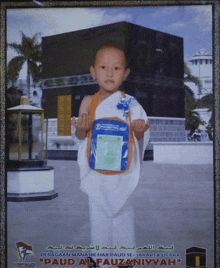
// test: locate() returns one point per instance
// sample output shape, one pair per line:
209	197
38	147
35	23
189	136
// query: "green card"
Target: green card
108	154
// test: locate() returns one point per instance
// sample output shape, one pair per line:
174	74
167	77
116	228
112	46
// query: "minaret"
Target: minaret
200	65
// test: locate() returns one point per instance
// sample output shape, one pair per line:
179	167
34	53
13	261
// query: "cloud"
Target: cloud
52	21
107	19
178	24
163	12
203	16
160	18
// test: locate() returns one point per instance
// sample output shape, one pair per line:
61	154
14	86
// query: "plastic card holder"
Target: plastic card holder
109	145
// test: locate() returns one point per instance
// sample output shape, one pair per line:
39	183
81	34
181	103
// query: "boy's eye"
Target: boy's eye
117	68
102	67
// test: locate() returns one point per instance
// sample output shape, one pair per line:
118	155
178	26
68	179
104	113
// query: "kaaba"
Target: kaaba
155	60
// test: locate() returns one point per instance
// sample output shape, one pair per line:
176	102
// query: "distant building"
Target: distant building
35	91
200	65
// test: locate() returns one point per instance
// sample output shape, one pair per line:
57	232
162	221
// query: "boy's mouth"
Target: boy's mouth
109	81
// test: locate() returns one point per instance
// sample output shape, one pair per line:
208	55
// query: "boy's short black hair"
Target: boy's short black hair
112	45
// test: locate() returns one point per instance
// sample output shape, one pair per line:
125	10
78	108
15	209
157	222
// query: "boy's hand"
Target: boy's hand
139	126
82	125
84	122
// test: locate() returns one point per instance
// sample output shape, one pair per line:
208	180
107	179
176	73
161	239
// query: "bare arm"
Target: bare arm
84	122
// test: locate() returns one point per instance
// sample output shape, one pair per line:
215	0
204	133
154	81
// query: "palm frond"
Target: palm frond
34	38
188	77
29	50
14	67
16	47
206	102
187	71
30	47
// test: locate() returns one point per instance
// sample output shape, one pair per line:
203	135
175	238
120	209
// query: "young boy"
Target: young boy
111	214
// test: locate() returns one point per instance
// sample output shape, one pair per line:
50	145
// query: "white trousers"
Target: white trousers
112	231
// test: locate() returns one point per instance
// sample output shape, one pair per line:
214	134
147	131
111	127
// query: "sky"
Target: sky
191	22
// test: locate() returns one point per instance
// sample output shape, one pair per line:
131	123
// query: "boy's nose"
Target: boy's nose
109	72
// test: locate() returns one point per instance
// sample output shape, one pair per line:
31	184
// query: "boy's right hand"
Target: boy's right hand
84	122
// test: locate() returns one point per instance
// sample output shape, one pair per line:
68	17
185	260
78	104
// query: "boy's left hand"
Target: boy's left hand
139	126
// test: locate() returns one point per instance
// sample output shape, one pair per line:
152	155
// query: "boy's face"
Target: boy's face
109	69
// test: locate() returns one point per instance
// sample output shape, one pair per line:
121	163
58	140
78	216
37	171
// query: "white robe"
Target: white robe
112	191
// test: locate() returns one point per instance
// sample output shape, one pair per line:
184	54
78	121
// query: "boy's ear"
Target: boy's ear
127	72
92	71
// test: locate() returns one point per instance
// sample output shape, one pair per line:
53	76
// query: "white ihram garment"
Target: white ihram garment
112	219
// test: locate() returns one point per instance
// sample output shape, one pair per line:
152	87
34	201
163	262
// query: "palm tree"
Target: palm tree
28	51
192	118
207	102
188	77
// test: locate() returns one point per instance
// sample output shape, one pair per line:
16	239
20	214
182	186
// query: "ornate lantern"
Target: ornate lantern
28	176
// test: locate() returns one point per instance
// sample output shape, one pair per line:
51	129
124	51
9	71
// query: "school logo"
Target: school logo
98	126
195	258
23	250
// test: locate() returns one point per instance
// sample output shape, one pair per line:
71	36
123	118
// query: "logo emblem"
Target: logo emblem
195	257
98	126
23	250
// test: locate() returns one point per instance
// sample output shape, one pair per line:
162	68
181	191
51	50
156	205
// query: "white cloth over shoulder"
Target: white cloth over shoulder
112	191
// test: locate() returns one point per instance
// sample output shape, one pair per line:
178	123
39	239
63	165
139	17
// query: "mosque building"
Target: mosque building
201	65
